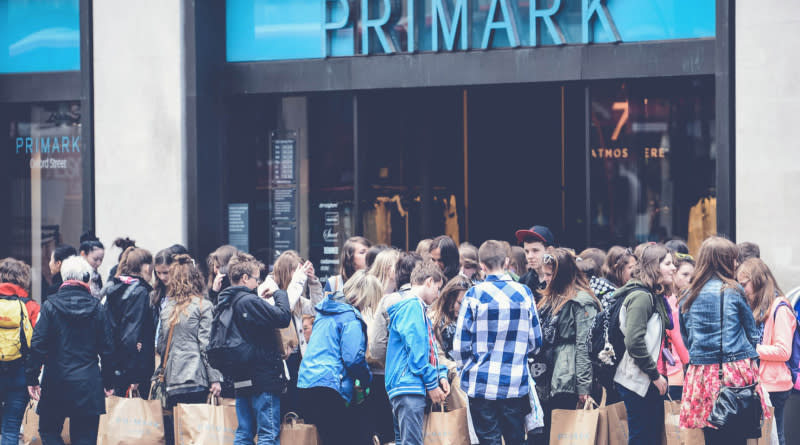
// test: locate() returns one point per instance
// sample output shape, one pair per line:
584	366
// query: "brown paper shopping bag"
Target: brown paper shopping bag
574	427
446	427
207	423
131	421
30	426
295	432
673	433
617	421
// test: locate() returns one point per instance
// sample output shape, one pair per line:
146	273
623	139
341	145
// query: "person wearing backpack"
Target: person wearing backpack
644	319
259	377
776	321
17	317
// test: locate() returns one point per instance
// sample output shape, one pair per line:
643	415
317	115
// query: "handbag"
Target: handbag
737	408
158	389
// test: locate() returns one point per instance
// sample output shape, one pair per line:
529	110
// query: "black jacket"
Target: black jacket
132	321
53	287
258	321
73	329
531	279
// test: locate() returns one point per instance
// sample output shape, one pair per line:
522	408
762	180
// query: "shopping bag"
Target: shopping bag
131	420
535	419
673	433
295	432
207	423
766	431
30	426
446	427
575	426
617	423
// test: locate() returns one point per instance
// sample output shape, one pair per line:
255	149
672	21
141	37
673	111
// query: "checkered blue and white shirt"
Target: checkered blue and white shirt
497	327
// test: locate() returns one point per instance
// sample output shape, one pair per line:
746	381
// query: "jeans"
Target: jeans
495	418
82	430
779	402
409	411
14	396
258	413
645	415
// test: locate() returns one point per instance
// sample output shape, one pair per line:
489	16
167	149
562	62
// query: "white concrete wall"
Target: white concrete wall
139	116
768	133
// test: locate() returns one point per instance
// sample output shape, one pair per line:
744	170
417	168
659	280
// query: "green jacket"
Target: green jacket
639	308
572	371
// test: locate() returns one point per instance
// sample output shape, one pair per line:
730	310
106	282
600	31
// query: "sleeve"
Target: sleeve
296	287
33	311
584	315
782	338
463	348
445	361
38	350
682	317
265	316
414	333
676	337
203	337
104	332
132	327
353	344
163	331
379	333
638	311
535	334
315	292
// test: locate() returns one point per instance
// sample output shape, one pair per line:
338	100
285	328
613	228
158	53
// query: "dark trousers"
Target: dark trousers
558	401
645	415
172	401
493	419
779	402
326	409
375	414
82	429
289	400
723	437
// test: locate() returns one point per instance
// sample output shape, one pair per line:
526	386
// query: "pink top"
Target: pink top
776	347
678	350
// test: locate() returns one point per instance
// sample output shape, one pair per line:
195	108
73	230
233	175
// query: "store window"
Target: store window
652	161
45	180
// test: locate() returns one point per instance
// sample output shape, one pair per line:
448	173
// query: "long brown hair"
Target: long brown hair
441	313
132	260
219	258
284	268
717	259
347	265
567	280
765	288
185	283
616	262
648	268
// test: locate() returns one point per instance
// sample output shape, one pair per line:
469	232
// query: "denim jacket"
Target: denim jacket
700	326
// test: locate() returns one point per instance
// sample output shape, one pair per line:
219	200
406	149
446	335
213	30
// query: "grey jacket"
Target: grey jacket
187	368
379	331
572	370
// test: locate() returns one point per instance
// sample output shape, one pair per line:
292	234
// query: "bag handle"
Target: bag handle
212	400
132	393
292	418
169	345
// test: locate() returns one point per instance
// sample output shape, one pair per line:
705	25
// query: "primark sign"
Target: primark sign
297	29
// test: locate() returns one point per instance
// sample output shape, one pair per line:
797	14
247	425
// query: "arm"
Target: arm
163	331
106	352
38	350
353	344
783	335
296	287
683	317
415	338
264	316
535	333
203	336
584	316
745	315
465	331
639	309
315	291
379	333
676	337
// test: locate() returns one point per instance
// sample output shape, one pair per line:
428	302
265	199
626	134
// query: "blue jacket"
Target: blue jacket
335	355
700	326
408	353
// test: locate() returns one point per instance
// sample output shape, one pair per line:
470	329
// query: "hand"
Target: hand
138	347
582	398
309	268
134	386
217	285
215	389
267	292
661	384
437	395
109	392
35	392
445	385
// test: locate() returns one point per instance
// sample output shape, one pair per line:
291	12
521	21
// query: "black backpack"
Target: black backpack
606	343
227	349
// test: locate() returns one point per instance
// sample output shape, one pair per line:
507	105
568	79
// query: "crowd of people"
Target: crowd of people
364	354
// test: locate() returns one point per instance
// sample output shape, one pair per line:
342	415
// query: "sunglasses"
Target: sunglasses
548	259
683	256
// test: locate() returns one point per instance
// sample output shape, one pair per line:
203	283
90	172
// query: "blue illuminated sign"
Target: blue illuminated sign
39	36
303	29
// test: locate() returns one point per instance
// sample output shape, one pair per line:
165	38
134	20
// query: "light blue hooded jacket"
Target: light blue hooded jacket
408	365
335	355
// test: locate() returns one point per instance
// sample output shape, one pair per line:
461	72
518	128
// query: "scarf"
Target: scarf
76	283
9	289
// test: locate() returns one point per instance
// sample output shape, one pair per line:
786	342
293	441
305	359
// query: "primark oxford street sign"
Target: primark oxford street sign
297	29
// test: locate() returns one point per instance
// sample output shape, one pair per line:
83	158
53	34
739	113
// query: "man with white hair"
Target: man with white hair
72	331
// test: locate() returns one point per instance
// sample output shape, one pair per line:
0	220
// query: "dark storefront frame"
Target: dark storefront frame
210	79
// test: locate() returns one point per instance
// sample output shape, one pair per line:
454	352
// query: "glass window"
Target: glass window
652	160
43	176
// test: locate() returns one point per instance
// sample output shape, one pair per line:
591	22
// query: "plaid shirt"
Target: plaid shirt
497	328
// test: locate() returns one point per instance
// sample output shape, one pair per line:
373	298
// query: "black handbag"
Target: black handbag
737	409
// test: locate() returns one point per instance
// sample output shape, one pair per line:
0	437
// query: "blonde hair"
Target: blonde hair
765	288
363	292
383	268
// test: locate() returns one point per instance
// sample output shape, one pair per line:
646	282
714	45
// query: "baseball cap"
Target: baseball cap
539	233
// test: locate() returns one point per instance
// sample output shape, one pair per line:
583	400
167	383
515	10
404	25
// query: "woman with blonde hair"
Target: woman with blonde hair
776	321
383	269
718	327
186	327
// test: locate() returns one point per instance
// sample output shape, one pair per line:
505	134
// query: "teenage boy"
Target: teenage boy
536	241
261	382
497	328
412	367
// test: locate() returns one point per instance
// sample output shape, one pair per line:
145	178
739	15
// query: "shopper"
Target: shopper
468	257
592	260
217	263
444	252
17	320
644	318
679	355
186	326
353	258
518	263
748	250
536	241
61	253
334	367
617	271
412	367
122	244
562	369
134	329
383	269
701	327
776	321
73	330
259	382
373	252
497	328
92	250
444	317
